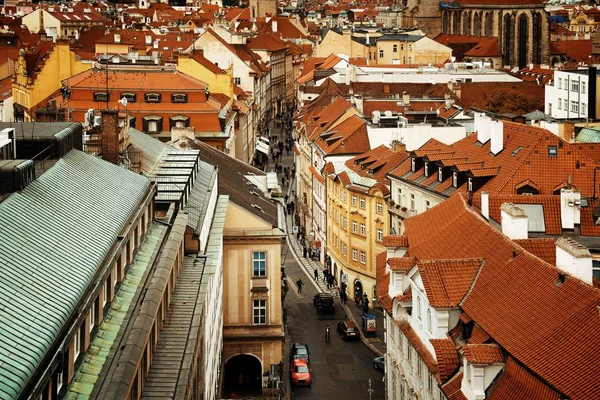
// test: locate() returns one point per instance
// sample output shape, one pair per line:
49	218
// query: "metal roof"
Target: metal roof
56	234
588	135
197	204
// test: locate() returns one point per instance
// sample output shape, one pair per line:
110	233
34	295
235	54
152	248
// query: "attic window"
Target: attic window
455	179
552	151
426	172
470	185
413	164
440	174
100	96
152	97
129	96
517	150
179	98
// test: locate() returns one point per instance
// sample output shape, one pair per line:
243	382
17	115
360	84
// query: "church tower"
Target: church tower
263	8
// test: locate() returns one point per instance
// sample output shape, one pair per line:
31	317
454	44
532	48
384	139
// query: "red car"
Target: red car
300	373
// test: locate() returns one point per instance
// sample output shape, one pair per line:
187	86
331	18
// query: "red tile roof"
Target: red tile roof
376	163
394	241
446	282
553	331
403	264
383	282
515	382
267	42
446	355
482	354
347	137
478	335
418	345
543	248
452	390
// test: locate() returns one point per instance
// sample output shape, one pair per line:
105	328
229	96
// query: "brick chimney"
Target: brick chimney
397	146
110	136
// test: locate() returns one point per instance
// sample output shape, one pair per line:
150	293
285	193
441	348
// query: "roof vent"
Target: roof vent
562	278
257	206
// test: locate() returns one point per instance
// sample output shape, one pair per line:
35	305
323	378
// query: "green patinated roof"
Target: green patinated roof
588	135
86	376
55	234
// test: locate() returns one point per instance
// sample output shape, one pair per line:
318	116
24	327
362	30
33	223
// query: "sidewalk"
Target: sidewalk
376	344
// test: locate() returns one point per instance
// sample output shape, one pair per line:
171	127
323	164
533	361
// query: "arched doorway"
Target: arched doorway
242	375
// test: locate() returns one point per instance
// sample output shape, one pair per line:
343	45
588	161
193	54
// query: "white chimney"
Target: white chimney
117	38
367	38
497	136
274	26
574	259
485	205
482	127
155	44
569	208
514	221
148	40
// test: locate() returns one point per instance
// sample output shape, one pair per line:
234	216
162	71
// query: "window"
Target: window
400	197
363	257
344	249
559	103
354	226
413	164
76	346
429	320
379	208
178	98
59	381
455	179
93	315
259	263
179	121
409	47
355	254
259	312
237	80
574	86
379	234
412	201
395	48
152	124
363	229
552	151
104	294
440	174
583	109
401	46
344	222
582	87
362	203
354	200
427	205
152	97
100	96
418	308
470	185
344	195
380	53
426	169
131	97
574	106
550	108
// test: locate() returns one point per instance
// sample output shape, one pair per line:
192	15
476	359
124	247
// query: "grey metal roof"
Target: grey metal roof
402	38
38	129
197	204
588	135
55	235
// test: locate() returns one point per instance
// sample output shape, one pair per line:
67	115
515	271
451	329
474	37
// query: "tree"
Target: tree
503	101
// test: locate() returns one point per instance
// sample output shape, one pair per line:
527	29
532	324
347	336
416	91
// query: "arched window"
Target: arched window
523	40
446	22
456	23
466	23
476	24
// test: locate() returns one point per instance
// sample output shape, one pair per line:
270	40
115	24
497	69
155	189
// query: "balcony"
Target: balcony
401	212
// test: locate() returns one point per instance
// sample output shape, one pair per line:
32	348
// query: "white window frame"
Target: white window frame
559	103
362	202
344	195
363	229
470	184
429	320
354	254
363	257
379	234
354	227
354	200
92	316
583	87
77	346
427	205
104	294
400	197
379	208
426	169
260	261
574	86
258	306
60	380
560	83
412	201
440	174
583	108
574	106
344	248
413	164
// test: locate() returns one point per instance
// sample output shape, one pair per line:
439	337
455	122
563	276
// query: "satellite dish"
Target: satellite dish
123	102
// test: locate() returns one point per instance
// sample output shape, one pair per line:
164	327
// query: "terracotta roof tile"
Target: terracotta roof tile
452	390
447	281
418	345
394	241
446	355
552	331
515	382
482	354
317	174
543	248
404	264
376	163
383	282
347	137
478	336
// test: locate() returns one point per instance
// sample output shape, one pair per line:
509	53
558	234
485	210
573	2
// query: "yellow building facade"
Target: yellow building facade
411	49
31	87
217	82
356	223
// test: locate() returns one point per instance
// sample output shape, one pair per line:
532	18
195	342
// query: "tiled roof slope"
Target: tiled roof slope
524	156
376	163
482	354
446	356
55	235
395	241
383	281
553	330
515	382
348	137
447	281
452	390
543	248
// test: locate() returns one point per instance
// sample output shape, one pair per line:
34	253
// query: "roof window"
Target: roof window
179	98
152	97
552	151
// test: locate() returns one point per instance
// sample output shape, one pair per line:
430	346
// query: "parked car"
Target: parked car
324	302
348	330
300	373
379	363
300	352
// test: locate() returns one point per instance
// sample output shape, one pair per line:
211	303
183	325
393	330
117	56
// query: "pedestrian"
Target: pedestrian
282	181
325	273
316	274
304	251
357	299
330	281
343	296
327	334
286	198
299	283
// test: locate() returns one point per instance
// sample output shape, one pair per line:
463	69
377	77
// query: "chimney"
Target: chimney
592	71
497	136
397	146
148	40
179	38
449	101
274	25
569	207
514	221
110	136
367	38
574	259
482	127
117	38
485	205
405	98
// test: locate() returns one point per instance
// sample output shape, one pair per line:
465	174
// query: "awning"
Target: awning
262	147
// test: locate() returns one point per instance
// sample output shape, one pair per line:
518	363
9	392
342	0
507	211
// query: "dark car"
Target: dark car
348	330
300	352
324	302
379	363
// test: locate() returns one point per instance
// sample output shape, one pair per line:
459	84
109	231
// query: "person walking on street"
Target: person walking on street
316	275
325	272
343	296
304	251
327	334
299	283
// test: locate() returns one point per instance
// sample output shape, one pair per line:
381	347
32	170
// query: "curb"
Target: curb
350	316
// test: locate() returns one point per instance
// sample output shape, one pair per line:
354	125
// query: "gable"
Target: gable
238	218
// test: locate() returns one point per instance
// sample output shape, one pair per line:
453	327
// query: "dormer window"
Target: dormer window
100	96
426	171
470	184
413	164
152	97
179	98
455	179
131	97
440	174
